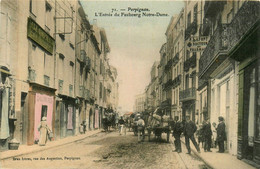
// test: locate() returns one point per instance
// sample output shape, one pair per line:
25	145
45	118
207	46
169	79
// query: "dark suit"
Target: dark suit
190	129
206	128
177	130
221	136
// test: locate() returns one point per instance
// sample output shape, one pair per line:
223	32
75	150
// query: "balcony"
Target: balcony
177	81
215	52
167	85
211	8
243	25
188	94
168	65
191	29
190	63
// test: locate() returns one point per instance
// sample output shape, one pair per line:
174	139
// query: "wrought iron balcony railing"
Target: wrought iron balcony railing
217	44
168	65
176	82
245	21
188	94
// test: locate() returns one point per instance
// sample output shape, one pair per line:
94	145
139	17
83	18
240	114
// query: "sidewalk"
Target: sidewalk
218	160
25	149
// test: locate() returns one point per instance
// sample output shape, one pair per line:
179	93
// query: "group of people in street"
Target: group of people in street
189	128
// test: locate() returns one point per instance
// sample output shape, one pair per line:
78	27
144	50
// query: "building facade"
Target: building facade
52	67
229	69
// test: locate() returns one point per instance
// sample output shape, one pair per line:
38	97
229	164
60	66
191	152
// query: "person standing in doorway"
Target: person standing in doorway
207	135
44	131
189	130
221	134
177	130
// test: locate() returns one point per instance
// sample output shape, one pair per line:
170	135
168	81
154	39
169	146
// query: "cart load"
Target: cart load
157	124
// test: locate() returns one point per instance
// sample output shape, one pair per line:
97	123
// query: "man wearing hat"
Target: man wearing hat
206	128
177	130
189	130
221	134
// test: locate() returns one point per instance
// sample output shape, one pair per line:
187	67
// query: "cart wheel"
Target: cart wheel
168	137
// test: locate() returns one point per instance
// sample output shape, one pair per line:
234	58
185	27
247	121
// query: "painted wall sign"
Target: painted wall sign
38	35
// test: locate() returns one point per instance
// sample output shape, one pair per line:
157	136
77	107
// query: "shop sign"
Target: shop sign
38	35
197	43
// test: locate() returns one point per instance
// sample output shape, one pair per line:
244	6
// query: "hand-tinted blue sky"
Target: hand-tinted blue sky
135	42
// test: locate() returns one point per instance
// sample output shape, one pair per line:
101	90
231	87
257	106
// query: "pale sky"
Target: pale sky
134	42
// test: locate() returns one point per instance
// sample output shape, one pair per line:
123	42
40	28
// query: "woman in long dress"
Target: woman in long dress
44	130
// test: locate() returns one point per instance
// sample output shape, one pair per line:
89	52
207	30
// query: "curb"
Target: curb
199	156
50	147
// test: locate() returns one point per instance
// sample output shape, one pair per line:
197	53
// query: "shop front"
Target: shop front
247	54
41	104
67	116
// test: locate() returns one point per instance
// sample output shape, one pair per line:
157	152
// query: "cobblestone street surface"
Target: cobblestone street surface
108	150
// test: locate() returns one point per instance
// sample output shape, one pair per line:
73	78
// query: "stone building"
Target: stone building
52	67
192	52
229	69
175	52
139	103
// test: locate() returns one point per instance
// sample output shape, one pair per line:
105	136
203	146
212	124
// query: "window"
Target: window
195	13
187	81
32	7
189	19
100	90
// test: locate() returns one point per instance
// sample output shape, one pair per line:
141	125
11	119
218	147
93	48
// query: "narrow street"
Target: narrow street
108	150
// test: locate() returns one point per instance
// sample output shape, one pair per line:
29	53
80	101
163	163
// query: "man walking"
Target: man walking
177	130
206	128
189	130
221	134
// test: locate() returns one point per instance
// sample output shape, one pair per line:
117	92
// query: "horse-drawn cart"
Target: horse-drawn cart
158	124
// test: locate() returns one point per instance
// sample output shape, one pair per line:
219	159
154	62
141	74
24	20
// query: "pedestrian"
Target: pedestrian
200	136
189	130
207	132
84	126
81	128
221	134
177	130
121	123
214	133
140	128
45	131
